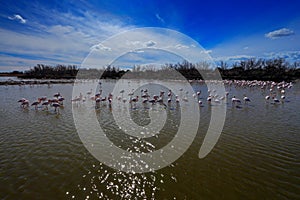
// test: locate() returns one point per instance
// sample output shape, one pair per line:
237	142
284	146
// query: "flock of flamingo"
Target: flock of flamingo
274	88
56	102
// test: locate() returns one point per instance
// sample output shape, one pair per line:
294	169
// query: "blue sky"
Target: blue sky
63	32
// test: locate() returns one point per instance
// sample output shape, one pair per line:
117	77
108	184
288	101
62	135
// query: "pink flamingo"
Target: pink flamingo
56	106
25	103
36	103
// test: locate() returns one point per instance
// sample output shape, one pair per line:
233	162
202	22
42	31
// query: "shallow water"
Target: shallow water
256	156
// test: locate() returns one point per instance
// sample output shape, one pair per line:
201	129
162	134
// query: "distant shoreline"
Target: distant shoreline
65	81
36	82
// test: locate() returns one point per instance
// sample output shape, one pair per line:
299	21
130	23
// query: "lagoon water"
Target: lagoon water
256	157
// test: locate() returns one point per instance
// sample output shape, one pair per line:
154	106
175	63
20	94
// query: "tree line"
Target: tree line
253	69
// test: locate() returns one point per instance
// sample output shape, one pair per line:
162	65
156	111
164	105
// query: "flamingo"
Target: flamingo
134	99
89	92
282	98
25	103
22	100
103	99
44	98
153	101
131	93
145	101
119	98
110	97
209	98
275	100
177	99
185	99
235	100
46	103
170	93
160	100
267	98
246	99
36	103
200	102
98	100
61	100
56	106
56	95
145	95
217	101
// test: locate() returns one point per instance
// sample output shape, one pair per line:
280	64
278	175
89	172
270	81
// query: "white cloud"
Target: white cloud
180	46
100	47
206	51
159	18
17	17
67	41
287	55
279	33
150	43
233	58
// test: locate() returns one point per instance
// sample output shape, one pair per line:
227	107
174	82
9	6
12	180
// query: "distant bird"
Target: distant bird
160	100
200	102
282	98
217	101
209	98
61	100
185	99
56	95
97	100
36	103
89	92
145	101
246	99
170	93
235	100
56	106
134	100
177	99
25	103
22	100
275	100
46	103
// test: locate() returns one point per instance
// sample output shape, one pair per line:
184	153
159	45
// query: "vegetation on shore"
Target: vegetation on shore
274	70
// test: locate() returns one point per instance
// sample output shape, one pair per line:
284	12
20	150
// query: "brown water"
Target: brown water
256	157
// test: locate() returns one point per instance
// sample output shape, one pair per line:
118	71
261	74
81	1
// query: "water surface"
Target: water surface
256	157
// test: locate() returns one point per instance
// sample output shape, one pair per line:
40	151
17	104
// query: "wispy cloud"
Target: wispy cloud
232	59
180	46
288	55
66	40
279	33
159	18
18	18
